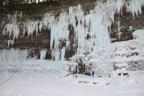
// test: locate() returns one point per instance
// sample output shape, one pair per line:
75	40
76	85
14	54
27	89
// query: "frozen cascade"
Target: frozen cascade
11	29
13	55
59	33
30	27
63	53
94	24
43	54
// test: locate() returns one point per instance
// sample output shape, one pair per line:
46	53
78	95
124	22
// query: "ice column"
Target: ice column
43	54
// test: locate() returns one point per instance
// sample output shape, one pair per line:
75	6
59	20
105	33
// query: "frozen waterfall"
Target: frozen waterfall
43	54
94	24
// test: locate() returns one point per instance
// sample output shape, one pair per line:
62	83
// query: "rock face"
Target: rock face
36	9
128	24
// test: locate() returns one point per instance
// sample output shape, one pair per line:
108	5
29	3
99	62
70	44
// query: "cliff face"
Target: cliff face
39	35
46	6
128	24
36	12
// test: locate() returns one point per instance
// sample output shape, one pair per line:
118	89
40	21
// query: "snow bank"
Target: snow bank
138	34
132	86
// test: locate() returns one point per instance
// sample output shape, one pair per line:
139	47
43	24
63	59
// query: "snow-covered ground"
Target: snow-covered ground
72	86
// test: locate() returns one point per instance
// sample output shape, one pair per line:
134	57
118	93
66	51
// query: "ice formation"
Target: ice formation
134	6
139	36
12	29
43	54
12	55
10	42
93	24
30	27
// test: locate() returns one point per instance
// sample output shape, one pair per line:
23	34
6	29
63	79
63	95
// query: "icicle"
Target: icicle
10	43
135	7
43	54
36	27
131	28
63	53
139	34
12	29
119	32
57	55
119	5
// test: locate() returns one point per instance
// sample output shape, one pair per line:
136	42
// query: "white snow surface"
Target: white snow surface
70	86
139	34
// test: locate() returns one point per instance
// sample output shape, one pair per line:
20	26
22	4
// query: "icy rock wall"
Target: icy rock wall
129	55
91	29
12	55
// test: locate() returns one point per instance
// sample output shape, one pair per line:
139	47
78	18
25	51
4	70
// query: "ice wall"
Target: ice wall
9	56
90	28
43	54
